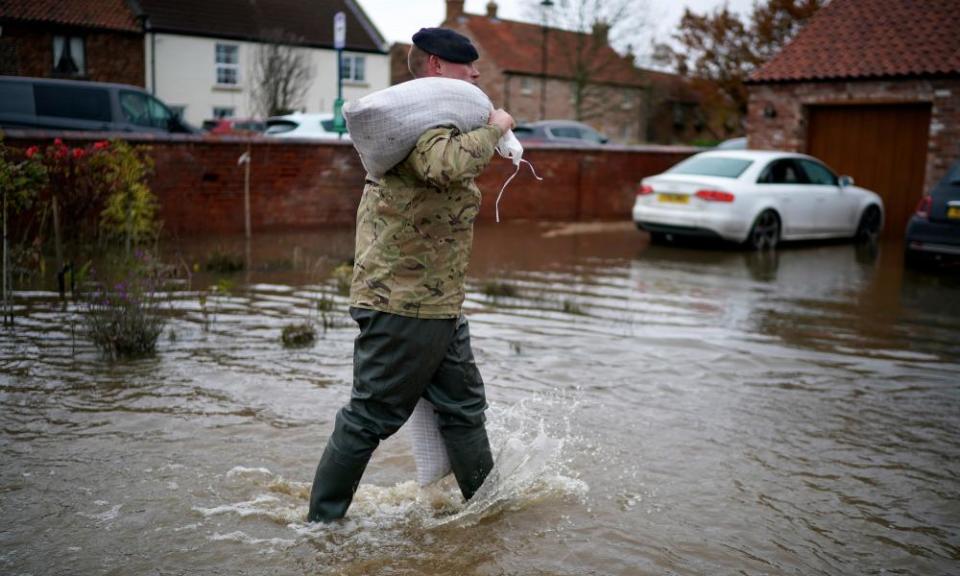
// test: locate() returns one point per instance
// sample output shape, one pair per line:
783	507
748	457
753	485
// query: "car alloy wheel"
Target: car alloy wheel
869	228
765	233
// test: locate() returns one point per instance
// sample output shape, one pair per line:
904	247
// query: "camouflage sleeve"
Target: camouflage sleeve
445	155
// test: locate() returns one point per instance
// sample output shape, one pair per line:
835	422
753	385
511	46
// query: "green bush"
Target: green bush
124	315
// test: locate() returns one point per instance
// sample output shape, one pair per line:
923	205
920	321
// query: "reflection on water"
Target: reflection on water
654	409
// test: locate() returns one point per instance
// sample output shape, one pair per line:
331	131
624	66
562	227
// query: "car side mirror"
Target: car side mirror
604	139
846	181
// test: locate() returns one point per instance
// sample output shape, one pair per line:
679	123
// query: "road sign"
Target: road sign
339	30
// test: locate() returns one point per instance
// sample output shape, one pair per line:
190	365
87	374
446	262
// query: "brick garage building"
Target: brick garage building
872	87
97	40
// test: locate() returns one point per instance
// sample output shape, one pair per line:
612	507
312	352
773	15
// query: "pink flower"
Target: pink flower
32	151
101	145
78	153
58	142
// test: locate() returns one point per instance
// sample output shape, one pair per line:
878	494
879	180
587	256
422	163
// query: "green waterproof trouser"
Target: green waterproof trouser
397	360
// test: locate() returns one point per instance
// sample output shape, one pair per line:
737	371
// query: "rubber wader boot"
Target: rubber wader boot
334	484
470	458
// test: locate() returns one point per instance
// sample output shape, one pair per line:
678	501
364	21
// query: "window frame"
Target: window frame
222	112
227	67
70	42
350	70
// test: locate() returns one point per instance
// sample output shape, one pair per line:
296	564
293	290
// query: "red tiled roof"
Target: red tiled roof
105	14
517	47
872	38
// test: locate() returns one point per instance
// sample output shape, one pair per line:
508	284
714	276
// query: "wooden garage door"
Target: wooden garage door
884	148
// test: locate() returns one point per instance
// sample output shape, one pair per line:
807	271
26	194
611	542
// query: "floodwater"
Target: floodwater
653	409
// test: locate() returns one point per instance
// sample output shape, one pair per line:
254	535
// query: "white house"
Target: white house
200	53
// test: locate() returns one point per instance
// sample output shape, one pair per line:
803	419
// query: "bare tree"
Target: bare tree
589	41
281	75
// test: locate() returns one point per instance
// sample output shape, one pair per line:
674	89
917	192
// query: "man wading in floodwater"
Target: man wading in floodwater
414	236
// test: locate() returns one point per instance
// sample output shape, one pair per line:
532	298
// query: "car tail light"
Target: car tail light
923	207
714	195
644	190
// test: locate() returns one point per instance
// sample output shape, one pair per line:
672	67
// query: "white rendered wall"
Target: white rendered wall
185	71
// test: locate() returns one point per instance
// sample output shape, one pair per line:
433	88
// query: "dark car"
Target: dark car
933	233
52	104
559	132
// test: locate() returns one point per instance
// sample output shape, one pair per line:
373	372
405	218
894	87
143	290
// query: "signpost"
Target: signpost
339	41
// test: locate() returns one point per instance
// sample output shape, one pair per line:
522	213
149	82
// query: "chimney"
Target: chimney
454	10
491	9
601	31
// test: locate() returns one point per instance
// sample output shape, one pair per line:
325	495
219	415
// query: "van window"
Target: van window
144	110
77	102
16	98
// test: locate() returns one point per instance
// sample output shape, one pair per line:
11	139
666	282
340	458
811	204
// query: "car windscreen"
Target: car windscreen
712	166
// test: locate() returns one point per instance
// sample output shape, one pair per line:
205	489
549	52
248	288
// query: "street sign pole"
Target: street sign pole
339	41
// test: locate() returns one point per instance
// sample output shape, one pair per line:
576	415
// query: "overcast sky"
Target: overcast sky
399	19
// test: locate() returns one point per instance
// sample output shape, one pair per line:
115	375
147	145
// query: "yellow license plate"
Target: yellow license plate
673	198
953	212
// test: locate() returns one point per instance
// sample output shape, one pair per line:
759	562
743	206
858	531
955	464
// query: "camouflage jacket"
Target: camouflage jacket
415	226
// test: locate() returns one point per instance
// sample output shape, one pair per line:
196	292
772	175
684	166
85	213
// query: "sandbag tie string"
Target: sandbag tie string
505	184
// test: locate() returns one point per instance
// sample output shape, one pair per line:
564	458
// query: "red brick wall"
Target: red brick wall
304	185
110	56
788	129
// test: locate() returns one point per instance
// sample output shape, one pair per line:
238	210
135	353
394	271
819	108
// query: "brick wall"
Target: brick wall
297	184
110	56
787	130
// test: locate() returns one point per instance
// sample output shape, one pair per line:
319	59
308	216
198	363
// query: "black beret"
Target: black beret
446	44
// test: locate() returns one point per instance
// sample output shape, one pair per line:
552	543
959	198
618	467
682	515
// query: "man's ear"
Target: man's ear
434	64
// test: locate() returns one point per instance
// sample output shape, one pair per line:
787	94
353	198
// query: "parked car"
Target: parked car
755	197
234	126
299	125
559	132
733	144
933	233
52	104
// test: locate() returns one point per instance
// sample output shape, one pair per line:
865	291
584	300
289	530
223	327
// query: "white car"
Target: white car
755	197
298	125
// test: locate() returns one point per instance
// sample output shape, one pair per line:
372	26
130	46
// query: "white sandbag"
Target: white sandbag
429	452
386	124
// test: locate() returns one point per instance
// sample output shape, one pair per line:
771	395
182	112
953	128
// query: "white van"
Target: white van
51	104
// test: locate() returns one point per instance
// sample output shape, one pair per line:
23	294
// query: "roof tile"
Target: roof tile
872	38
103	14
518	47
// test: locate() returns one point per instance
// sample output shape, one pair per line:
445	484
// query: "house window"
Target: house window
627	101
679	115
526	86
223	112
228	64
354	68
69	57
